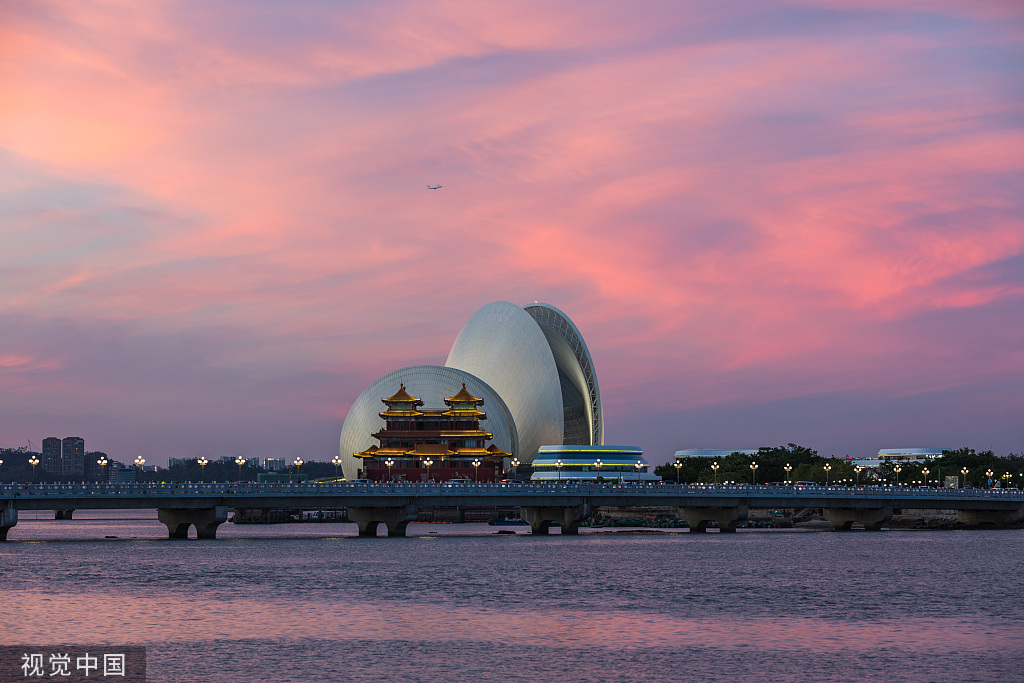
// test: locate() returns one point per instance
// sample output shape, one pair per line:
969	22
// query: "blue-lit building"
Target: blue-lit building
712	452
590	463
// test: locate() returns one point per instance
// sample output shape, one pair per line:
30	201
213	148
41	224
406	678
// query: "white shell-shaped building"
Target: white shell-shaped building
529	364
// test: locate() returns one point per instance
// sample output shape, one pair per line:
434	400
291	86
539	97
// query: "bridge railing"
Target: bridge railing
568	487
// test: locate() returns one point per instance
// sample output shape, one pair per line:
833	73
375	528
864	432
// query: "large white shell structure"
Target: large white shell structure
529	364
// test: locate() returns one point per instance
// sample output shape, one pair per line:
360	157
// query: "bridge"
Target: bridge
205	505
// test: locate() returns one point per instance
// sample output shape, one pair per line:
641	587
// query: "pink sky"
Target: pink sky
773	222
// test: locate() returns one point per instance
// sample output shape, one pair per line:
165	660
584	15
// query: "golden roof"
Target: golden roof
463	397
402	396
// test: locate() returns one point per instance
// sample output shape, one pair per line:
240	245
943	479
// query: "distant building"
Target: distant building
174	462
92	467
900	456
711	452
51	460
590	463
273	464
73	456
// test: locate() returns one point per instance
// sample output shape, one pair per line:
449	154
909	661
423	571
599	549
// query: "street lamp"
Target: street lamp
714	468
897	470
598	464
33	460
964	472
788	468
298	463
239	460
203	462
989	475
856	471
558	466
139	462
428	462
753	472
1005	476
476	470
828	469
515	464
678	465
389	463
639	466
337	461
102	462
925	471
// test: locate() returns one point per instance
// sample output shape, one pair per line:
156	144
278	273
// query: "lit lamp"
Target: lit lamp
788	468
33	461
639	466
678	465
753	472
427	463
298	463
598	464
515	464
714	468
203	462
239	461
558	466
924	472
857	470
989	475
1005	476
139	462
964	472
476	471
337	461
102	462
389	463
897	470
828	469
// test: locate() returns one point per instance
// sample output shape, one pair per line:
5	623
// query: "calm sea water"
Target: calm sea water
313	602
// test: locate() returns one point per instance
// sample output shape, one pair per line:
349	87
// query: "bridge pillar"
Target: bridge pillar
995	517
395	519
844	518
727	518
205	520
8	519
63	514
568	518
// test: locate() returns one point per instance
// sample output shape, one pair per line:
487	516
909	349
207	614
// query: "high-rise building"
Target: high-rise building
273	464
73	456
51	460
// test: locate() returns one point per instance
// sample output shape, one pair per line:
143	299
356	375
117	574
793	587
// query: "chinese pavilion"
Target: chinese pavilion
434	445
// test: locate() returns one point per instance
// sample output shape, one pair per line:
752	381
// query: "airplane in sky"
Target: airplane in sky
433	187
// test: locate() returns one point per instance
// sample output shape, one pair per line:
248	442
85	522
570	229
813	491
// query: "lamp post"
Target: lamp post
856	471
239	460
33	460
203	462
389	463
714	468
298	463
428	462
925	471
515	464
678	465
476	470
1005	476
788	468
964	472
337	461
102	462
639	466
989	475
558	466
598	464
753	473
828	469
139	462
897	470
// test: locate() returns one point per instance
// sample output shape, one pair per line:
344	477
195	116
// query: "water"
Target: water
313	602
